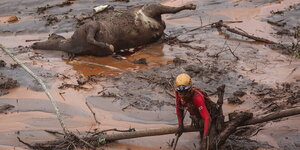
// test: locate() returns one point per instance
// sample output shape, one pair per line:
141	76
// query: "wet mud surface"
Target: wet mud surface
136	90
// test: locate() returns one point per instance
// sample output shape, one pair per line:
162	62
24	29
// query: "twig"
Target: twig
114	129
232	52
211	25
53	132
123	109
259	39
259	129
61	94
27	144
43	86
85	142
94	114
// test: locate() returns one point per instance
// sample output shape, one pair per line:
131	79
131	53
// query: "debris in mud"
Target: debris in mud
243	143
7	83
279	12
279	23
12	19
41	10
83	80
142	61
285	92
2	63
108	94
178	61
235	100
5	107
239	93
275	107
51	20
268	100
287	28
22	49
76	87
14	66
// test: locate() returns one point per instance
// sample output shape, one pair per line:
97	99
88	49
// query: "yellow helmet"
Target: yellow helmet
183	82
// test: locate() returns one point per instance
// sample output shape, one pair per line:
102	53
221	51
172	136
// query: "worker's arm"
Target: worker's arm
179	111
200	104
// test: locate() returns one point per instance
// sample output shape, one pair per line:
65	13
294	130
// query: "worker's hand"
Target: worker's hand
179	131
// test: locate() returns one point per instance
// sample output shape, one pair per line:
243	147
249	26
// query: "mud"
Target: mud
286	26
124	94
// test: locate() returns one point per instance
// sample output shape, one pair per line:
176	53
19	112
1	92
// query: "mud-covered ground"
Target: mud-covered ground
137	91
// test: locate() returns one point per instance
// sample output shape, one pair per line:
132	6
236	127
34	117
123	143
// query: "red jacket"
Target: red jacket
196	106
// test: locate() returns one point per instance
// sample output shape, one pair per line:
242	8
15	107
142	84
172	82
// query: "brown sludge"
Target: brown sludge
126	101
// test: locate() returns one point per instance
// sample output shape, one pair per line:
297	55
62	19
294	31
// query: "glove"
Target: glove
179	131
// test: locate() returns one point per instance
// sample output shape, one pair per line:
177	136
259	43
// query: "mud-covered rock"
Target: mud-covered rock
2	63
239	93
178	61
5	107
7	83
142	61
235	100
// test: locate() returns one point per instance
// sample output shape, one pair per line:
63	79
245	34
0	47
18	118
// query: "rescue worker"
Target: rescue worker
191	99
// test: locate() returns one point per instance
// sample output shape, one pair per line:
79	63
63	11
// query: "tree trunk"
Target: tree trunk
219	139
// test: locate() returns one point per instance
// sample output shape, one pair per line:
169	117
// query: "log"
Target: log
145	133
172	130
99	140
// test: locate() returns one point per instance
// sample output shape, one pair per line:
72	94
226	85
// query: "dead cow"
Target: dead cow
113	31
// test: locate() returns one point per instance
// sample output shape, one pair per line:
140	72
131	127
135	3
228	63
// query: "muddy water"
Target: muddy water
155	54
33	112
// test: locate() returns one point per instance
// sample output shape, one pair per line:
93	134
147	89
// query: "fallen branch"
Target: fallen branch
94	114
43	86
53	132
27	144
221	24
145	133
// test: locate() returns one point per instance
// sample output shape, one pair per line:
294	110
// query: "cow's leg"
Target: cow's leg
154	10
91	33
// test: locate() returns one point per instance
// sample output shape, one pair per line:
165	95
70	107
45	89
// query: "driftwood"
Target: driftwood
220	24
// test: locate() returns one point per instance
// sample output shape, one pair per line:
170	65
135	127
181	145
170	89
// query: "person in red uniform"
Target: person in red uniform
191	99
